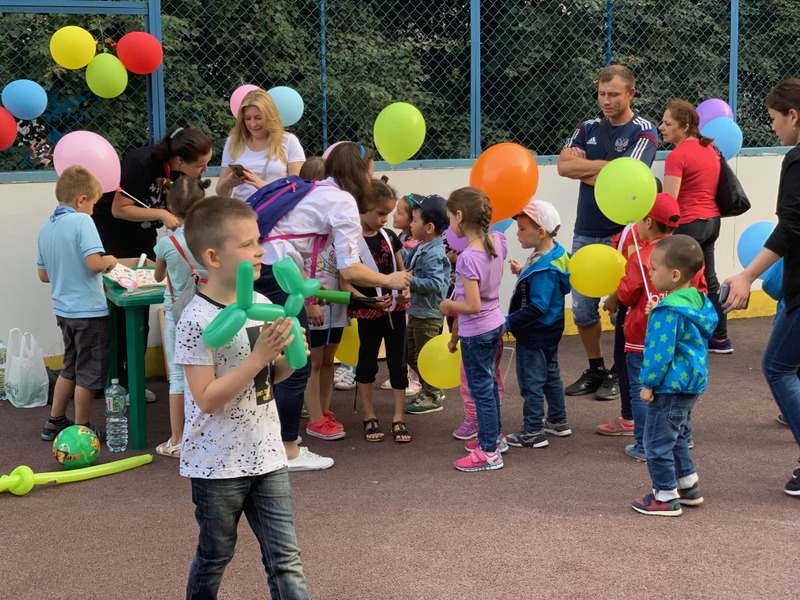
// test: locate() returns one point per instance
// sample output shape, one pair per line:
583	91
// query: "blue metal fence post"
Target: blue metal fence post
609	18
475	78
733	75
156	101
323	62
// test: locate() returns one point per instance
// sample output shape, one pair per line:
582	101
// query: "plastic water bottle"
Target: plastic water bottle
2	370
116	421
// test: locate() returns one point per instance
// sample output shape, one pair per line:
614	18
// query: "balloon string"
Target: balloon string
641	266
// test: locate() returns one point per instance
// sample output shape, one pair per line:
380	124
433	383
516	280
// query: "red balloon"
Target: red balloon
508	174
8	129
140	52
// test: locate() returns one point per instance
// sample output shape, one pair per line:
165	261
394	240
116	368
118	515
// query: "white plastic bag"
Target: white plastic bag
26	377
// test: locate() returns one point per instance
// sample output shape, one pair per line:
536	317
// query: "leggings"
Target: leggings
390	329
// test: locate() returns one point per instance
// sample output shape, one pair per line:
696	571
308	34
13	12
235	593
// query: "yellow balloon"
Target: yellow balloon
595	270
347	352
106	76
72	47
437	365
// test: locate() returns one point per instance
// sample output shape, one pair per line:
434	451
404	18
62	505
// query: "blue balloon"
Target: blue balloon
727	136
750	244
290	104
25	99
501	226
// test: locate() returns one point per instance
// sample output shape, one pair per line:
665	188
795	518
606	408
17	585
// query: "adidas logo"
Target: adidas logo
592	141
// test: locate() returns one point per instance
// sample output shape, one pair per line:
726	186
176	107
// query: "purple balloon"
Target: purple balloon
456	243
711	109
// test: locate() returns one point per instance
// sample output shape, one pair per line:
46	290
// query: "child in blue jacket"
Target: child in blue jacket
536	319
674	373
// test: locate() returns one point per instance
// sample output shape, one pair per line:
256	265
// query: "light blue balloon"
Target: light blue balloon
290	104
727	136
501	226
751	243
25	99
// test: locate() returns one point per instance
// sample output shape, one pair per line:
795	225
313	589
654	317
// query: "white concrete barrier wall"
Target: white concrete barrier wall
24	207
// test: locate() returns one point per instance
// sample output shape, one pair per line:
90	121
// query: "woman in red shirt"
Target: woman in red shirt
691	174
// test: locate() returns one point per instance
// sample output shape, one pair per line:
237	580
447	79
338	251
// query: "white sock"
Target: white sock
685	483
666	495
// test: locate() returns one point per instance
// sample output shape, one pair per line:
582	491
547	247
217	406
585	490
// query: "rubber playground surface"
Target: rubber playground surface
397	521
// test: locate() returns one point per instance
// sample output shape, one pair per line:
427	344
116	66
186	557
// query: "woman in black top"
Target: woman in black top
128	229
781	362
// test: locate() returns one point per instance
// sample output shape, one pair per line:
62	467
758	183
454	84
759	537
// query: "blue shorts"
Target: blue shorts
584	309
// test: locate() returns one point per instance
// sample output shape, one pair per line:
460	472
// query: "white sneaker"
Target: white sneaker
411	390
347	382
149	397
386	385
340	372
308	461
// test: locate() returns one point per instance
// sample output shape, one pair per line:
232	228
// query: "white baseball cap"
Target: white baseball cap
543	214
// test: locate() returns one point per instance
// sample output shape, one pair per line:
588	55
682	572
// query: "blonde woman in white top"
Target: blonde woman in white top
258	143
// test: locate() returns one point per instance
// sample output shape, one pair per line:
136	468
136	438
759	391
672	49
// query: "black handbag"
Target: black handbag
731	199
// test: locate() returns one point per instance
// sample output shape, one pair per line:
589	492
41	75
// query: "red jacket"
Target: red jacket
631	292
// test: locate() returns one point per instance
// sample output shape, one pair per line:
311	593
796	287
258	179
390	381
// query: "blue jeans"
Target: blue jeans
666	440
780	366
638	408
266	501
585	309
478	353
539	377
289	393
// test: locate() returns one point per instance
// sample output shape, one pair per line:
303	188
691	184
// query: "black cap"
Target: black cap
434	208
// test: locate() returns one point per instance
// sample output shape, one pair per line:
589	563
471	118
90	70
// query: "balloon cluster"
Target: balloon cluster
716	121
290	104
233	317
106	75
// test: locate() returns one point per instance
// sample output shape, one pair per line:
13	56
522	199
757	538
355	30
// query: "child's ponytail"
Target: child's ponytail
476	210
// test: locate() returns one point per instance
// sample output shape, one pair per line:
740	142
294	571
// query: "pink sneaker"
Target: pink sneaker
324	429
466	431
616	426
479	461
502	444
329	415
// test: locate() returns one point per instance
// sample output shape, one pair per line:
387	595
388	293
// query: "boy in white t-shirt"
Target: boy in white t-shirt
231	447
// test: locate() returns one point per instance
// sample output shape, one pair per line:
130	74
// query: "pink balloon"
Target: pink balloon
711	109
92	152
328	150
456	243
238	95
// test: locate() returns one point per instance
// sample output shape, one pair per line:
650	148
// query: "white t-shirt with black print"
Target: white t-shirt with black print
243	438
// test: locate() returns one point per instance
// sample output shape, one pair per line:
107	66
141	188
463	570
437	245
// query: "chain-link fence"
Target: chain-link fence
350	58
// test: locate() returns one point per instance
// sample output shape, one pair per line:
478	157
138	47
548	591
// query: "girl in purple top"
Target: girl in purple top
480	323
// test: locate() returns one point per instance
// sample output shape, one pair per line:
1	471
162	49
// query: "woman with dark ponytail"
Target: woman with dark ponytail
691	176
781	362
129	218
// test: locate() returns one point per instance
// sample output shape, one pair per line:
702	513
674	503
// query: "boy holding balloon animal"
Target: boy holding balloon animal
231	447
536	318
635	291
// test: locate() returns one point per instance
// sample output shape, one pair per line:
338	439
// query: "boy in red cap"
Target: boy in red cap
635	291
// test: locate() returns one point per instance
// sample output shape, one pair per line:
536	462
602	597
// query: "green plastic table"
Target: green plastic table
135	305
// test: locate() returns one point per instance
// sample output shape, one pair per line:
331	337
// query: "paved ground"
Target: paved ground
397	521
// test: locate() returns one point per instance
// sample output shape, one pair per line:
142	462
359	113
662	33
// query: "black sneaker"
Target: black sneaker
609	389
101	435
557	428
588	383
793	486
690	496
527	439
51	430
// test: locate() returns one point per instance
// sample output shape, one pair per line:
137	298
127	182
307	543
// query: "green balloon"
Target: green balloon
296	351
244	285
106	76
399	132
224	326
625	190
266	312
288	276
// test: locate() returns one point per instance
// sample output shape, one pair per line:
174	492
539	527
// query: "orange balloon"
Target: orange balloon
508	174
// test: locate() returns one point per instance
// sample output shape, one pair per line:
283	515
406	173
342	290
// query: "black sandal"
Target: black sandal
399	429
371	427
